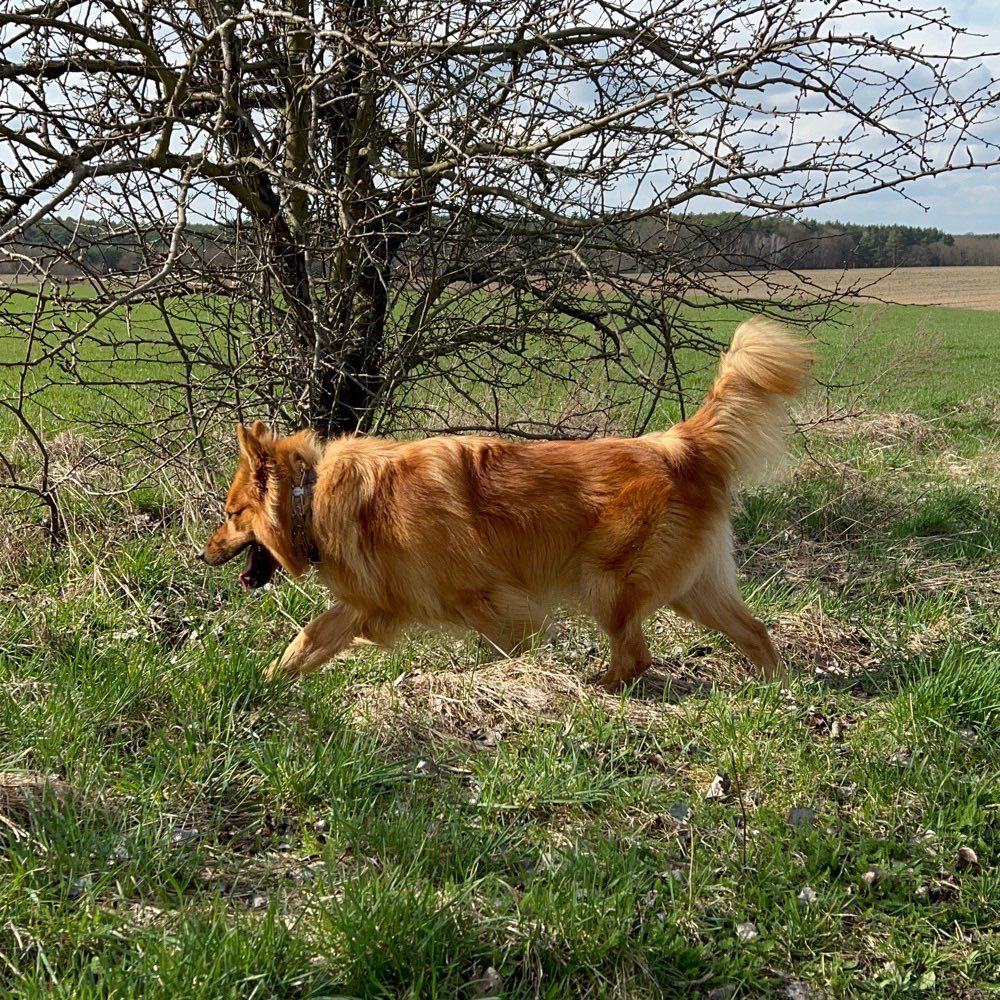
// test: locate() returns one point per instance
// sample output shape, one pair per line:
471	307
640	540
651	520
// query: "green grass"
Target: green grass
403	822
928	360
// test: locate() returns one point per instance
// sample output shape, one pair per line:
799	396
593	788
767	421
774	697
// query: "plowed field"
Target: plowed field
957	287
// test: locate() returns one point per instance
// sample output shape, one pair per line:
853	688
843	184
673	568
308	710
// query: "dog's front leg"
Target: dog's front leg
320	641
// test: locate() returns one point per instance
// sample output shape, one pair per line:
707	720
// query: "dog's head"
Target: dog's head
257	506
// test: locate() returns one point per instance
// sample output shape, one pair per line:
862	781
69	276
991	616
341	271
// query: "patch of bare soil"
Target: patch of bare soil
955	287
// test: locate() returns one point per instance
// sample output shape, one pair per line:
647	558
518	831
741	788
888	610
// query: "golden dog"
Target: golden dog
489	535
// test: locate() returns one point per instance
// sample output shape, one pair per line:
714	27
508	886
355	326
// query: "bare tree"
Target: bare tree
399	213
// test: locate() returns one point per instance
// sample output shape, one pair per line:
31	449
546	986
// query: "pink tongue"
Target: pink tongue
248	570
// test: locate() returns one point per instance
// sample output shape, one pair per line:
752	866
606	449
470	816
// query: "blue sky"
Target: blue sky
967	201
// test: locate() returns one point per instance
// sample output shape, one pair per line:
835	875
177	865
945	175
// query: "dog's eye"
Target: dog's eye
230	514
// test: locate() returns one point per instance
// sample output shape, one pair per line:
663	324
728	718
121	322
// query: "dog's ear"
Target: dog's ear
256	453
250	444
298	462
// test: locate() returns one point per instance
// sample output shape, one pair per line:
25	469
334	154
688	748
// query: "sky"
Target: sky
967	201
964	201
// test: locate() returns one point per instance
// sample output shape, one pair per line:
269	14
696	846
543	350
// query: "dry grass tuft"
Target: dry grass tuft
477	706
981	470
809	639
879	428
23	791
20	545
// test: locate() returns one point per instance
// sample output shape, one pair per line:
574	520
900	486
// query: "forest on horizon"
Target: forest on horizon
710	241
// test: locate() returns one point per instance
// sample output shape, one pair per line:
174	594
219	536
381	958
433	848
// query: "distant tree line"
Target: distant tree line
80	247
717	241
734	242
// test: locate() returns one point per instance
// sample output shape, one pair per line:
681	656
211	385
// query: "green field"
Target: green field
425	823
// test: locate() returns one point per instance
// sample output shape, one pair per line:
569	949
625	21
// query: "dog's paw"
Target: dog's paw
274	671
778	675
611	683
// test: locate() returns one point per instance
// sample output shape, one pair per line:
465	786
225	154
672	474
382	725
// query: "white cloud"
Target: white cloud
967	201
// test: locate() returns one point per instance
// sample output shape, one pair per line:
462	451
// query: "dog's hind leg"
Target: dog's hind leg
327	635
715	602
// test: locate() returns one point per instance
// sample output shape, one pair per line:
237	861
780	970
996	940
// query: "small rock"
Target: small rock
967	860
428	768
184	838
719	788
795	991
79	886
489	984
320	826
680	812
747	931
871	876
845	792
258	901
801	817
807	895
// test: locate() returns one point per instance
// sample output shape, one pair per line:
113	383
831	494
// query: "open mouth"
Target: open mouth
260	567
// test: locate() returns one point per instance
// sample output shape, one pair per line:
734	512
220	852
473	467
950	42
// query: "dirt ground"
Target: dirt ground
957	287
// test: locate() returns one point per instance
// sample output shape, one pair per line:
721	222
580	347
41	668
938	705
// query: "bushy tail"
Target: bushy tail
740	427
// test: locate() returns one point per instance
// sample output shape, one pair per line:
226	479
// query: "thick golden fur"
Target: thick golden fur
489	535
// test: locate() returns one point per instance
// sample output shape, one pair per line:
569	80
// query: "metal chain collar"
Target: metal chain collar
301	509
